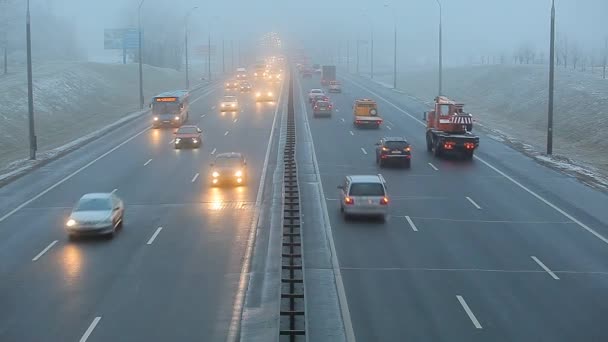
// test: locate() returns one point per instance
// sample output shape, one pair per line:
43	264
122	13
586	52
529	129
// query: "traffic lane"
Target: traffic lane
61	289
587	204
185	279
500	200
155	214
24	232
24	188
429	309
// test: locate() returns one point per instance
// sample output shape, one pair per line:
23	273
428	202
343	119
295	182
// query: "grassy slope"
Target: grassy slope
72	100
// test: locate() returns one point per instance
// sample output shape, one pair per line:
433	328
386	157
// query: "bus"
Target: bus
170	108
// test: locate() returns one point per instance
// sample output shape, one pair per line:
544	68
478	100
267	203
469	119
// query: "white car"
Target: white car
364	195
96	214
229	104
314	92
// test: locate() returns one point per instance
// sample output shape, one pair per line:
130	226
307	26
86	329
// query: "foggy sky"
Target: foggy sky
471	27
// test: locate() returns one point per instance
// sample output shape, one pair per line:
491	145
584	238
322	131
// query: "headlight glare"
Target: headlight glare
70	223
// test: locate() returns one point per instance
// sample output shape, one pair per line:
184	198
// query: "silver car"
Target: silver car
96	214
364	195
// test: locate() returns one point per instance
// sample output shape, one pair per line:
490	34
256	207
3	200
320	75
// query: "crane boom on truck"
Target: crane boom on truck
448	129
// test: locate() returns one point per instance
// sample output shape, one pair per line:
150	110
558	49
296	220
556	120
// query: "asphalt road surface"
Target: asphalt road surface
497	249
173	271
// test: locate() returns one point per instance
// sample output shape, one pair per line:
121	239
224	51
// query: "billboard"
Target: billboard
118	39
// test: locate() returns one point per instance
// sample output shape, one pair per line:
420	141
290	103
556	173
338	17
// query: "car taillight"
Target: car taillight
384	200
385	148
316	107
407	149
469	146
349	200
330	106
448	145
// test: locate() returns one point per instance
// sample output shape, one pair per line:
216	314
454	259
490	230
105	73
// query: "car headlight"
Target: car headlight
176	117
71	223
215	174
269	93
177	140
239	173
258	94
234	105
223	105
155	118
194	140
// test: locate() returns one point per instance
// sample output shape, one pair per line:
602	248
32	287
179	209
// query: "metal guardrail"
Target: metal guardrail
292	316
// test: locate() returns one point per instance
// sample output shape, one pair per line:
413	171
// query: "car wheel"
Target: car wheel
381	163
72	237
383	218
408	164
111	234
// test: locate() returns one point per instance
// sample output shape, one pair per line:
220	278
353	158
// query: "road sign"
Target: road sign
118	39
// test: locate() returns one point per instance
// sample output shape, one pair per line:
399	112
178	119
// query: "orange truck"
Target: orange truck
365	113
448	129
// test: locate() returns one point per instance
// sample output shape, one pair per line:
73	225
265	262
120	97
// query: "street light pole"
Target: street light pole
209	55
395	59
348	56
140	57
223	56
440	51
30	85
372	54
357	68
186	44
551	81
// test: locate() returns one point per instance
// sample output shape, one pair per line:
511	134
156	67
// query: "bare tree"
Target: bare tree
575	52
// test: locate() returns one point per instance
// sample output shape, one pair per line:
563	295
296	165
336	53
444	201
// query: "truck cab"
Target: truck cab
365	113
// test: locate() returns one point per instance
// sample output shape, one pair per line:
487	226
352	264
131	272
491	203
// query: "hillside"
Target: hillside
72	100
513	99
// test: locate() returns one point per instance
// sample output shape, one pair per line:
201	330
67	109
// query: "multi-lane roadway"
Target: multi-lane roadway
497	249
172	272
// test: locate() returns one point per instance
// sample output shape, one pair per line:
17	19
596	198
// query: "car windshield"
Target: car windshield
165	107
229	99
396	144
187	130
93	204
366	189
322	103
227	161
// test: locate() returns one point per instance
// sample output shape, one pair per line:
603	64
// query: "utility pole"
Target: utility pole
30	86
140	57
232	54
209	56
440	52
186	46
395	59
223	57
605	56
551	81
357	68
348	56
372	55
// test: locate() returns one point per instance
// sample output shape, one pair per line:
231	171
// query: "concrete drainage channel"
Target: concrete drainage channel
292	323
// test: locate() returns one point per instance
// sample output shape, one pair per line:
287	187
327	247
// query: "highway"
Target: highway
497	249
172	272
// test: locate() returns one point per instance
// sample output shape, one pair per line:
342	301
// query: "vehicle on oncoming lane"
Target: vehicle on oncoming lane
96	214
364	195
170	108
188	136
229	104
229	168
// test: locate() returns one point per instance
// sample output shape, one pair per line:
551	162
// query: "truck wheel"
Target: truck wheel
429	143
437	150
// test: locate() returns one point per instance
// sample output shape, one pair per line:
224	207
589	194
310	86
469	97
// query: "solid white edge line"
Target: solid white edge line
154	235
225	134
195	177
63	180
473	202
433	166
409	220
148	162
239	298
46	249
544	267
42	193
363	150
213	152
523	187
90	329
470	313
345	311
